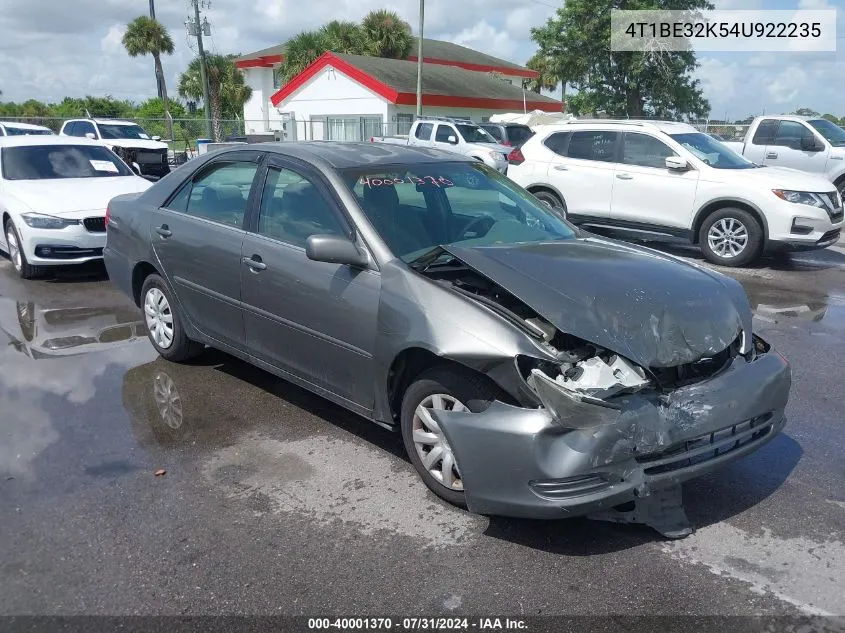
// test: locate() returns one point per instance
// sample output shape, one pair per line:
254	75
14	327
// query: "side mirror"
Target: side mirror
676	163
136	168
335	249
90	135
156	138
810	144
452	139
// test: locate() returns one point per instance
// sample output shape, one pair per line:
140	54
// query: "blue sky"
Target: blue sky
51	49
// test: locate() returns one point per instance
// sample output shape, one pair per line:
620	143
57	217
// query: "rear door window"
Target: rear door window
599	145
765	133
423	131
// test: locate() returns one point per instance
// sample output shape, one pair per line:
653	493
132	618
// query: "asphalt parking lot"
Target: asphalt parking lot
275	501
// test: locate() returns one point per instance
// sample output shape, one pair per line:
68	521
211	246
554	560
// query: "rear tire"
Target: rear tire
549	198
16	254
164	322
455	389
731	237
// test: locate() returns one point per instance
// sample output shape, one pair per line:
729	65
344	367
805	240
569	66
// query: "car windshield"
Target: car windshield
416	208
712	152
475	134
834	134
119	130
50	162
21	131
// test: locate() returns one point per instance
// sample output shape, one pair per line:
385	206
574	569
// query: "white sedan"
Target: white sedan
54	191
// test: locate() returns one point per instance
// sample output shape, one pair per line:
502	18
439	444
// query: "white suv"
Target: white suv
659	180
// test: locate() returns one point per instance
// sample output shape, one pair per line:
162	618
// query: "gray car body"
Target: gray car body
359	336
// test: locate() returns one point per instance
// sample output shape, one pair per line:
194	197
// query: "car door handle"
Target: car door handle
771	154
164	231
624	176
255	264
561	167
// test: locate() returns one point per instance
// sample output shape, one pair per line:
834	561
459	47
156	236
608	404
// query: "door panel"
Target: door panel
314	319
585	174
644	191
785	149
197	237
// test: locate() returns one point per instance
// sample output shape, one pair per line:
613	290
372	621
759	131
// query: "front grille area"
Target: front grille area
66	252
680	375
150	157
706	447
95	225
557	489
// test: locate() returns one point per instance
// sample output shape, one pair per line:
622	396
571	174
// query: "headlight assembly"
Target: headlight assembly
800	197
42	221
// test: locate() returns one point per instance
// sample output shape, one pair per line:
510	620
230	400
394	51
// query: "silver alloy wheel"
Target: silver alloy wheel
159	317
432	448
727	237
14	247
168	401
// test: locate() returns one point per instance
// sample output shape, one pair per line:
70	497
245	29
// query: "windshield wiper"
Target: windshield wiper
423	261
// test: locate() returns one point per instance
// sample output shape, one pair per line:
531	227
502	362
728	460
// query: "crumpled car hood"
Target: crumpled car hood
652	309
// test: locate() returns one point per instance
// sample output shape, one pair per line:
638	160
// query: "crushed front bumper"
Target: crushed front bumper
522	462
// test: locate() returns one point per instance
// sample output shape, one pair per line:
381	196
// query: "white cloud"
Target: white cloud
486	38
113	41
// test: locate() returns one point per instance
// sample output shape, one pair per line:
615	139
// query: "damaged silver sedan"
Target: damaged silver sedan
533	370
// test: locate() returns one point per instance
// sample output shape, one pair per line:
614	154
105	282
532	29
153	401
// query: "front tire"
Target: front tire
165	326
453	389
731	237
14	246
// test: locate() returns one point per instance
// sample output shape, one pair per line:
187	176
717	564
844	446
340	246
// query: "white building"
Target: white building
353	97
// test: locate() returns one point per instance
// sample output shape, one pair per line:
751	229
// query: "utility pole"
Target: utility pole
420	59
196	27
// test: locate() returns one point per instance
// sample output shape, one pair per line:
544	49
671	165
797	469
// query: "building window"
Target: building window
404	123
277	77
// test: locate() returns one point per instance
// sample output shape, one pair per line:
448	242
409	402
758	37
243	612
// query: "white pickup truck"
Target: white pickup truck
461	136
810	144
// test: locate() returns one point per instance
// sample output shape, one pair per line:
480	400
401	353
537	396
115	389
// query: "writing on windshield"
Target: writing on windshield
437	181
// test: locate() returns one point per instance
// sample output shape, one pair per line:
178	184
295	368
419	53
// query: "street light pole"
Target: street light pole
420	59
203	72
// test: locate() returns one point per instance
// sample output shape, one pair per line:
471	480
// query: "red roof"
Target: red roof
507	97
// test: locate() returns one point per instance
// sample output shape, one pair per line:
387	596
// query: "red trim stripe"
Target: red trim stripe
260	62
505	70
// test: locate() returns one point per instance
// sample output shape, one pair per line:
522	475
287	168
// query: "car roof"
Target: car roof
103	121
47	139
342	155
23	126
667	127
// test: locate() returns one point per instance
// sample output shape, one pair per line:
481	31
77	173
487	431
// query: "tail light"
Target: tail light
108	215
516	157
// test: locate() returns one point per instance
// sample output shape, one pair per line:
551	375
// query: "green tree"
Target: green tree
386	34
546	78
833	119
346	38
106	107
806	112
301	51
227	91
146	36
576	40
382	33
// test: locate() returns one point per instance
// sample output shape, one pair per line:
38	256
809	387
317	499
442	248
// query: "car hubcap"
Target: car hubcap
727	237
168	401
14	248
159	318
432	448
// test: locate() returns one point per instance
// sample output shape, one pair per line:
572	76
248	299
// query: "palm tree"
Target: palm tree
227	92
346	38
146	36
301	51
386	34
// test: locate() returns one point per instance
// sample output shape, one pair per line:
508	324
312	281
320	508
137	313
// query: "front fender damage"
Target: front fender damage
622	459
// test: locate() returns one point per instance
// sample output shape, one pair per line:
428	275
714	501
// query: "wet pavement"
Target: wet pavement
275	501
